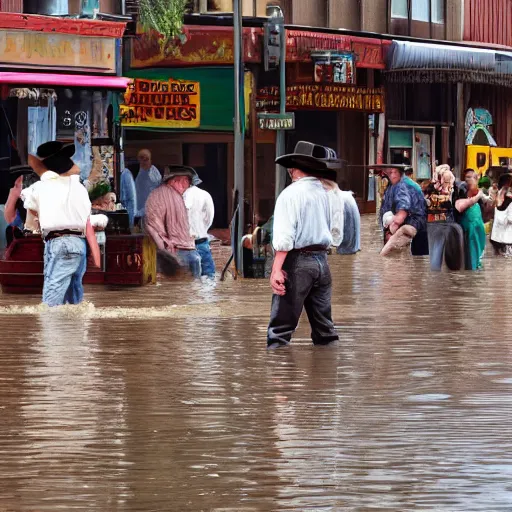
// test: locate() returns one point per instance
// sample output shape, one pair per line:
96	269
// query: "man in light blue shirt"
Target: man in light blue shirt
301	277
148	179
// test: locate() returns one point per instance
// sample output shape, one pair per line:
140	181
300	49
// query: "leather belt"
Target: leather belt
201	240
63	232
312	248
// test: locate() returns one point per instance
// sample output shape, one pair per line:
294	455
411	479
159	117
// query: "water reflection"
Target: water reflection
165	398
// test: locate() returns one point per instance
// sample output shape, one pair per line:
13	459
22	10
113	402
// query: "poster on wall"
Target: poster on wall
334	67
162	104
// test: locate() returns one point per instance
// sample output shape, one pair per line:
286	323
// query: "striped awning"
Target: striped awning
413	62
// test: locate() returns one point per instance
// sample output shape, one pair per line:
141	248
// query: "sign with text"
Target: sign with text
57	51
162	104
322	97
276	121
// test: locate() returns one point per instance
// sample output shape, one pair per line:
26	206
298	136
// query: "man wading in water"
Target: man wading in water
301	277
62	206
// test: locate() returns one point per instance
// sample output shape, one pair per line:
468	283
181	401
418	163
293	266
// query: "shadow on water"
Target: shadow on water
165	398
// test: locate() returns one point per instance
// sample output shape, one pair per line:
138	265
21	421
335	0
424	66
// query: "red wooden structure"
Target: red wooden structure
21	269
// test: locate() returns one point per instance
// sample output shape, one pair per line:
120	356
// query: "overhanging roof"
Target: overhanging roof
54	79
414	62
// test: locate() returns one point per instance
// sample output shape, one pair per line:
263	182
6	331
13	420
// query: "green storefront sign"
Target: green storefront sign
216	93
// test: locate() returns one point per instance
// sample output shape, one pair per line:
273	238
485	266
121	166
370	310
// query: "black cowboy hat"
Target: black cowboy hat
20	170
382	168
181	170
29	176
312	159
56	156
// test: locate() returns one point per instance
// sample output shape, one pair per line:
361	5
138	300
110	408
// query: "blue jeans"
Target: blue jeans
65	263
191	261
207	263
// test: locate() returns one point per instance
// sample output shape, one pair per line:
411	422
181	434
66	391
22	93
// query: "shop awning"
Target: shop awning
412	62
54	79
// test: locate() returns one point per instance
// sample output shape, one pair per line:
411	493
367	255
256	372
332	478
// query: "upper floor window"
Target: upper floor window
418	18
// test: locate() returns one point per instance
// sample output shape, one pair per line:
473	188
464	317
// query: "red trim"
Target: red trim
300	44
36	23
85	81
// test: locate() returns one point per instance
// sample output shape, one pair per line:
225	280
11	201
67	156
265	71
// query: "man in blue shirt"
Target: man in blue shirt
403	211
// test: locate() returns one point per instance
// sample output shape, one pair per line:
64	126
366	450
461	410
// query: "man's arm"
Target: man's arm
209	210
154	220
92	241
10	204
283	241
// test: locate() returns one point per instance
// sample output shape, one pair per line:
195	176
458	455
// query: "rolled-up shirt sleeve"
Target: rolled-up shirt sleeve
30	198
285	224
402	198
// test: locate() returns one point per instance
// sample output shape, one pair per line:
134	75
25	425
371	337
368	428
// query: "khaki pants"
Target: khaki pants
402	238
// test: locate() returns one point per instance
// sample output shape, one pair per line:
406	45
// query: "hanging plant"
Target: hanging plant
163	16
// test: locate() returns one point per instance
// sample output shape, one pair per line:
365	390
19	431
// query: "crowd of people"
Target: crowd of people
445	217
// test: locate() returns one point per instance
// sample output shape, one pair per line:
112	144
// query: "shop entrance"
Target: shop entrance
210	162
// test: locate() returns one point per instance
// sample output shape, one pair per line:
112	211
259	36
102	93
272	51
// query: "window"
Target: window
437	11
417	18
420	10
399	9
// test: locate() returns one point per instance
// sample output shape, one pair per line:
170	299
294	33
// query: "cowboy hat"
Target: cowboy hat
312	159
181	170
56	156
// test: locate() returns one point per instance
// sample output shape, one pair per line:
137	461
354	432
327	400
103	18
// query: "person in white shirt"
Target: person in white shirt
301	277
62	206
201	210
148	179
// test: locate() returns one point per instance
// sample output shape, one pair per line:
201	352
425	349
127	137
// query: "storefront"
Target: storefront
333	88
431	89
40	103
181	105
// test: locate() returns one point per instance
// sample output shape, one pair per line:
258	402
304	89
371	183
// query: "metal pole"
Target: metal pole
280	135
239	135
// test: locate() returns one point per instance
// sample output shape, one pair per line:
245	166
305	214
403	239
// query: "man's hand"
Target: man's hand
18	185
278	282
393	227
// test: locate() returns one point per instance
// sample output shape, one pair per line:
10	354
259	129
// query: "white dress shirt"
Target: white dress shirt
60	202
302	216
200	210
502	226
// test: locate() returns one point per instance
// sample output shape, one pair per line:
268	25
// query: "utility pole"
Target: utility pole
238	136
276	13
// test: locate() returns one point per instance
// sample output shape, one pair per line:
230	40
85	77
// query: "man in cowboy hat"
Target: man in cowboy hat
166	218
201	211
301	236
61	204
403	210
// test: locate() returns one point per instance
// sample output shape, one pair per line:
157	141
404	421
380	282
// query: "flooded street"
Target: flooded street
166	399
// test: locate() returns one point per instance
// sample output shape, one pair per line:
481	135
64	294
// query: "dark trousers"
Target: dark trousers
309	286
445	242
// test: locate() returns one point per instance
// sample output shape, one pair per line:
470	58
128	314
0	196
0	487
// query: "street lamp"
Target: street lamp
275	13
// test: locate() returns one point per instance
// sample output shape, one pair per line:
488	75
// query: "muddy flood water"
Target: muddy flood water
165	398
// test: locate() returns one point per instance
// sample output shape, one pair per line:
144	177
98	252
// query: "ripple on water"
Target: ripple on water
165	399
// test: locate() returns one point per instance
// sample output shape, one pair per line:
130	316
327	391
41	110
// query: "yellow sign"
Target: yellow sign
62	51
162	104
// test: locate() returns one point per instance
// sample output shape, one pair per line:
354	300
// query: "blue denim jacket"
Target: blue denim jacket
404	196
